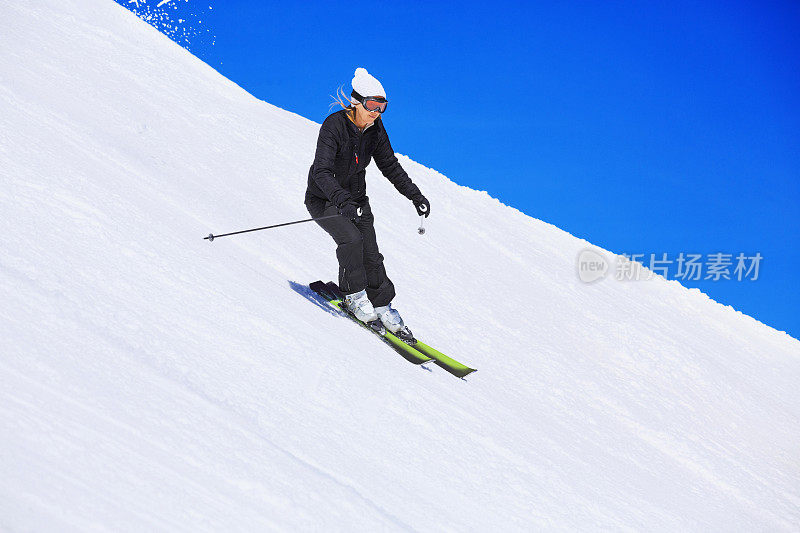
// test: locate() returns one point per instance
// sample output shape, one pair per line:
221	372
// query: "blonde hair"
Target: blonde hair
341	99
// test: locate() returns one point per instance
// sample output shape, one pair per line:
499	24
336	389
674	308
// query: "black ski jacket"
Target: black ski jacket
343	153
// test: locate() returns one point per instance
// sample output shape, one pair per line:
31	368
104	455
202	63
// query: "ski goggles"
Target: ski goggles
371	103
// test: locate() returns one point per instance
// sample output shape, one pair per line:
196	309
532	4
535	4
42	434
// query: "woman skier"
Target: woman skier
348	140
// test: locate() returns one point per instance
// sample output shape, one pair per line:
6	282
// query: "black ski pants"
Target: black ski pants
360	262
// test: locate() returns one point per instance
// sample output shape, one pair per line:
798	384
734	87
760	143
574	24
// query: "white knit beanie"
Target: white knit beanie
366	84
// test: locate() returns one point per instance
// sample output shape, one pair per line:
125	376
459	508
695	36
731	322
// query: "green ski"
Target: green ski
331	292
448	363
409	353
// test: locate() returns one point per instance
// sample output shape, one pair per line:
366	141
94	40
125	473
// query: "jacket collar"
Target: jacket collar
350	119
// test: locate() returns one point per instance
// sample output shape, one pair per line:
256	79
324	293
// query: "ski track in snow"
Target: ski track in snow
155	381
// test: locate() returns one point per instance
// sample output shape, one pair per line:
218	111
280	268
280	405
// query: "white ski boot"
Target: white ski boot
360	306
392	320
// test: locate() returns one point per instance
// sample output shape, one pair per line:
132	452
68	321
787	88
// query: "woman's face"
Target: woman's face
365	116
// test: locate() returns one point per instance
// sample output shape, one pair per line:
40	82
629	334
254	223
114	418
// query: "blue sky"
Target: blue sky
643	127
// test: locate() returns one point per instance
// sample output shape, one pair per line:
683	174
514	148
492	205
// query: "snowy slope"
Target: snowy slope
154	381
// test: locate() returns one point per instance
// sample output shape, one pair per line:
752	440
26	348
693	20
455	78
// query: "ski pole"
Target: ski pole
211	236
421	229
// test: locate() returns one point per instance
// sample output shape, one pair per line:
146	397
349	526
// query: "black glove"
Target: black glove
350	210
423	206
